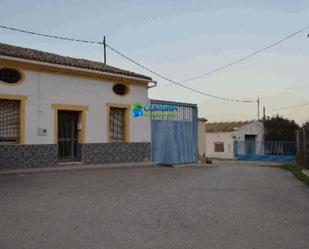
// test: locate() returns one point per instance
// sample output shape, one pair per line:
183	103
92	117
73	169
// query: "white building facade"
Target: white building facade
58	99
220	138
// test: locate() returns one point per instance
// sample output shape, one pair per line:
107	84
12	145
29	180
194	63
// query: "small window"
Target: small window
120	89
9	121
219	147
117	124
10	76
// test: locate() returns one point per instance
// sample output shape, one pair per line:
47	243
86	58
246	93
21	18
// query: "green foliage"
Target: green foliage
278	128
297	172
306	126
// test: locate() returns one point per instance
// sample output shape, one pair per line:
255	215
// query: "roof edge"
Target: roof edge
59	66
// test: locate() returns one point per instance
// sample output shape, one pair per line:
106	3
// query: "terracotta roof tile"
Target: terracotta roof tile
225	126
41	56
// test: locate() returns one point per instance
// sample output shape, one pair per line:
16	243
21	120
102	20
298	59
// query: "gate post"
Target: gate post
235	149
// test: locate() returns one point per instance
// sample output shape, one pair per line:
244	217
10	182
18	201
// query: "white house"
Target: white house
55	108
220	138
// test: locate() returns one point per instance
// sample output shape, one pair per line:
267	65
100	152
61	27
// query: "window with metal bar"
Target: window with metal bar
9	121
219	147
117	124
10	76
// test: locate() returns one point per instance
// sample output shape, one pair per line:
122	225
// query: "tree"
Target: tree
306	126
278	128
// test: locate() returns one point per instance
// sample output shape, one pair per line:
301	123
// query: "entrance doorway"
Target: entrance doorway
68	135
250	144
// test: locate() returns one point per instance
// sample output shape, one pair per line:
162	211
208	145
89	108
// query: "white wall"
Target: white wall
254	128
201	137
214	137
44	89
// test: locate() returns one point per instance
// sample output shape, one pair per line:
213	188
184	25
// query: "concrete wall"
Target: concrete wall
44	89
201	138
254	128
226	138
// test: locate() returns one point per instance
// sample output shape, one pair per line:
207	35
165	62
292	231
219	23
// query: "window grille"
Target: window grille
120	89
10	76
219	147
117	124
9	121
183	112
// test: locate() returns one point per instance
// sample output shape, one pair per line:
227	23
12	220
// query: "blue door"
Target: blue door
250	144
174	139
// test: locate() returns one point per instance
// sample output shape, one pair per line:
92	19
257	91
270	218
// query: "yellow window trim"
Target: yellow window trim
126	118
13	84
22	108
82	119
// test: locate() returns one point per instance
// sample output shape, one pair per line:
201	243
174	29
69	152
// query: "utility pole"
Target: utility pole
258	108
104	47
264	113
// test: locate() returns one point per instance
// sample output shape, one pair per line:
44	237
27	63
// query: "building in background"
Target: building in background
221	136
60	109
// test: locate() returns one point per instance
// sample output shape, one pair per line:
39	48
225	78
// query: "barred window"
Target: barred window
219	147
9	121
120	89
117	124
10	76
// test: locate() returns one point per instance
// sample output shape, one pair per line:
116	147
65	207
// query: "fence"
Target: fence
302	148
265	151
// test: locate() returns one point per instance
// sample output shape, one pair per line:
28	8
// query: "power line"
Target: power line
177	83
242	58
128	58
290	107
50	36
172	81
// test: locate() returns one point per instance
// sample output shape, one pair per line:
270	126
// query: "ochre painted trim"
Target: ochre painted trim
22	109
82	119
13	96
13	84
72	72
70	107
127	120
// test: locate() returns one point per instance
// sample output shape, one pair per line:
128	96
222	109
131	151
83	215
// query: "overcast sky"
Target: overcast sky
181	39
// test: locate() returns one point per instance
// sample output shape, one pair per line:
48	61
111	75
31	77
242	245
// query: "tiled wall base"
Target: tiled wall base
115	152
28	156
46	155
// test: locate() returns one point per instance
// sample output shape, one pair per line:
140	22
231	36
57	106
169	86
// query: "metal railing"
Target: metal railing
272	148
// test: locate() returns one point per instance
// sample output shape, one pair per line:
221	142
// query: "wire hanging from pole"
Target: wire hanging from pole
160	75
177	83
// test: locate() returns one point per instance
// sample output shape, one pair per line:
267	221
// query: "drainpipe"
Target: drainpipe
155	83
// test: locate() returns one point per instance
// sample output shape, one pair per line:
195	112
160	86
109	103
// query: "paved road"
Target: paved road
218	207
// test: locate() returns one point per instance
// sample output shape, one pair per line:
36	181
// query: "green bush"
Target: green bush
297	172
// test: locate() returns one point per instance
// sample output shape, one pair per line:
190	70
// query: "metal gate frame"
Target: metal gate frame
174	139
68	135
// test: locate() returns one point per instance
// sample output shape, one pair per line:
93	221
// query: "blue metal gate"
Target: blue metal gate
280	151
174	137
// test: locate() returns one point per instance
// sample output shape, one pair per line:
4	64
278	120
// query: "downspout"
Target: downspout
155	83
